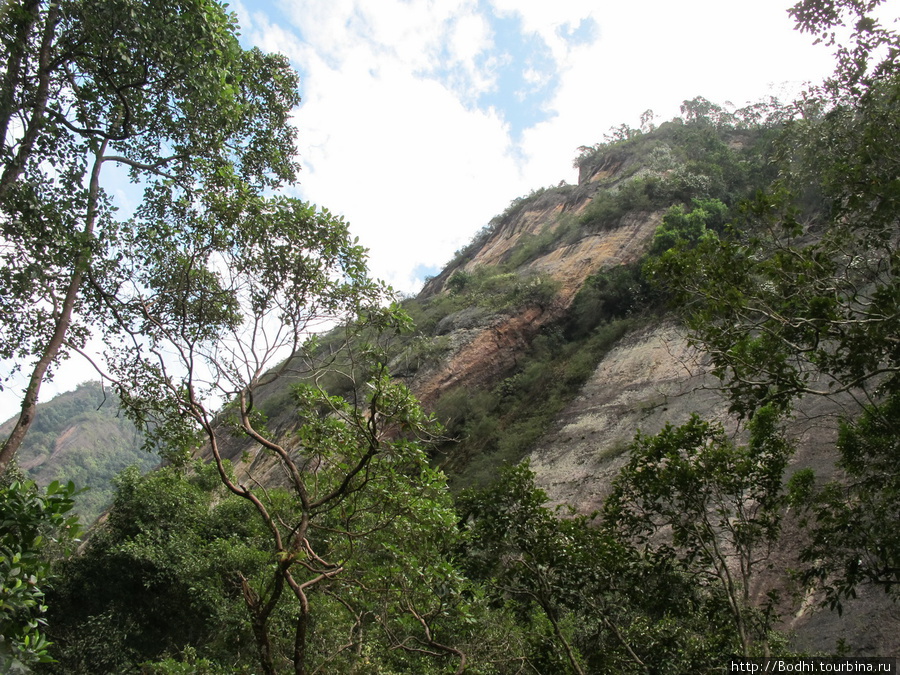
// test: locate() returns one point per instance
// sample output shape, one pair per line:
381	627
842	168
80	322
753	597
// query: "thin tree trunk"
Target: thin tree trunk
16	55
63	321
300	637
14	168
570	654
258	621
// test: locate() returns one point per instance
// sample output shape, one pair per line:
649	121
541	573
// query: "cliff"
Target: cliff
541	340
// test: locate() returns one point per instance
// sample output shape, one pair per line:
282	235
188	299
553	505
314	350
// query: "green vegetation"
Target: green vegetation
35	528
499	425
852	540
88	85
684	229
95	443
157	576
490	290
689	158
499	584
689	491
163	585
590	601
800	300
341	547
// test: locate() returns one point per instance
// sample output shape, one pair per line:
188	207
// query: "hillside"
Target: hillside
547	288
543	339
664	521
646	423
81	436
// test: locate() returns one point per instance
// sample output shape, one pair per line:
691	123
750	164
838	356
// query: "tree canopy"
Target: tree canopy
161	89
800	296
318	536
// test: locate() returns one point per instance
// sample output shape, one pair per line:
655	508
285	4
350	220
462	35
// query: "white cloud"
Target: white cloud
385	141
390	133
469	36
405	161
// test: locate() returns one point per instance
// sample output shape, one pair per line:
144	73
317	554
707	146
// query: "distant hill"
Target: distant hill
81	436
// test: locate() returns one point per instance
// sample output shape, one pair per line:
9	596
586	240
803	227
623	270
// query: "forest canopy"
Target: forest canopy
339	546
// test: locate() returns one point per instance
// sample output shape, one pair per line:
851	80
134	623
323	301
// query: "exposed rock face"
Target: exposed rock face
484	354
654	377
483	346
572	264
650	378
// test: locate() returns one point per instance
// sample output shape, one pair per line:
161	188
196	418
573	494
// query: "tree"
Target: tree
209	293
787	306
162	582
718	506
852	535
857	69
32	524
351	463
702	112
706	217
802	298
161	89
589	600
158	575
515	543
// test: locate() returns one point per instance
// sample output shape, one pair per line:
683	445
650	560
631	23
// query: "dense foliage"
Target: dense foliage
691	492
800	299
505	586
335	545
35	526
90	86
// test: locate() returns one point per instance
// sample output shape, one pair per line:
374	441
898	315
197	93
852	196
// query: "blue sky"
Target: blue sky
422	119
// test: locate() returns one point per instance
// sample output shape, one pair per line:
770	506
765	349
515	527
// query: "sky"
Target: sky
420	120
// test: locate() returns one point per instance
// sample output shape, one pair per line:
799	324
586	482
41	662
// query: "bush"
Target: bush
155	577
688	227
32	524
612	293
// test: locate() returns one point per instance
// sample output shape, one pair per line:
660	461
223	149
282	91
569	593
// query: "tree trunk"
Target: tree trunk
63	321
13	75
300	638
14	168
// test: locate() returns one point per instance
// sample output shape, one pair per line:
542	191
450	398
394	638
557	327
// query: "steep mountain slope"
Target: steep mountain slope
578	249
549	286
647	375
543	340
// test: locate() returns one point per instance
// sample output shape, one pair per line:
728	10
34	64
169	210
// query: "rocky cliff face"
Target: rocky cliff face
650	378
485	349
569	260
559	239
